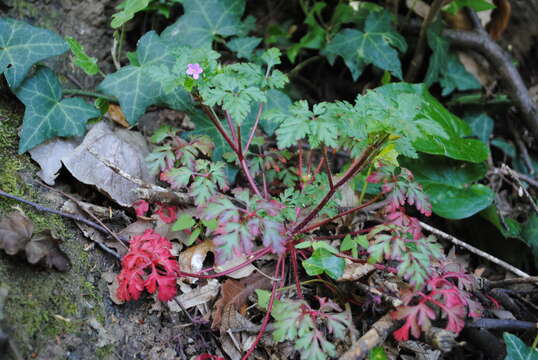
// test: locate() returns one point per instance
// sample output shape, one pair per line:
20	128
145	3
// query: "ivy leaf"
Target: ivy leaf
376	45
456	77
314	37
481	125
244	46
517	349
438	60
46	114
203	19
128	10
82	60
134	85
277	101
322	261
22	45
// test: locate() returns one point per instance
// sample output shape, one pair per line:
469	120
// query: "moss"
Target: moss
42	303
104	352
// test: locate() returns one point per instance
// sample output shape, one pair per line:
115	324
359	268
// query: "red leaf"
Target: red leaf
141	207
149	264
167	213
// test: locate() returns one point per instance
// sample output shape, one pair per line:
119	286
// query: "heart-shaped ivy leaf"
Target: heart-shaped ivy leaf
136	87
203	19
46	114
22	45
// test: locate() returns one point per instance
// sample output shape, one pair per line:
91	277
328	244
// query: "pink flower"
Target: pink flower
194	70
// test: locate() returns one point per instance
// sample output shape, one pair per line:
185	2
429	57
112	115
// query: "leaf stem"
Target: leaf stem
253	130
232	129
356	167
89	93
342	214
258	254
296	272
279	265
211	115
328	167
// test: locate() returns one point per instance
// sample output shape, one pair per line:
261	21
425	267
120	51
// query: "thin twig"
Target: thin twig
418	57
39	207
121	240
507	282
503	324
474	250
506	169
328	167
509	75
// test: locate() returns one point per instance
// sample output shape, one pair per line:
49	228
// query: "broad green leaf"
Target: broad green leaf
517	349
128	10
438	60
481	125
46	114
455	146
203	19
448	184
185	221
23	45
322	261
376	45
82	60
378	353
478	5
136	88
512	229
244	46
529	234
456	77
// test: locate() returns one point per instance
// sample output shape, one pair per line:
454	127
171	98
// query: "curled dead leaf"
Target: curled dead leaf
15	232
44	249
115	113
500	17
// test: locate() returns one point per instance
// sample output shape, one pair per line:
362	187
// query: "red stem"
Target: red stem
280	263
296	272
347	212
327	167
253	131
356	167
239	146
258	254
230	125
218	125
250	180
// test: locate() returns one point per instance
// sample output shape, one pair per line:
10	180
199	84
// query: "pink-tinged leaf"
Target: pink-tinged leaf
416	317
167	213
141	207
274	235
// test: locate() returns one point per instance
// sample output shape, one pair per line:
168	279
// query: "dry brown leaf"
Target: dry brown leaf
15	232
198	296
44	249
125	149
238	274
115	113
112	284
236	293
355	271
418	7
192	259
500	17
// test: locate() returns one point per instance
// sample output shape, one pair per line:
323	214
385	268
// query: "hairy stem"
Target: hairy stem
253	130
344	213
279	265
232	128
207	110
356	167
296	272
